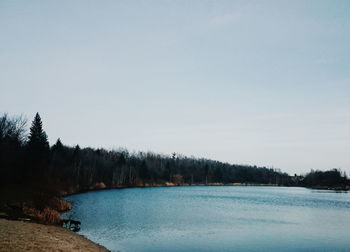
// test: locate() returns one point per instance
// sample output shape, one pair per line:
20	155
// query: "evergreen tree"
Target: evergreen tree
58	146
77	151
38	145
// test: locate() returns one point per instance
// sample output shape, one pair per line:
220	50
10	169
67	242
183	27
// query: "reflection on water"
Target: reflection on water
215	219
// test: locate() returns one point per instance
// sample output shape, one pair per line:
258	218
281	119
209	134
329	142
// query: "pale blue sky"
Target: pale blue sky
248	82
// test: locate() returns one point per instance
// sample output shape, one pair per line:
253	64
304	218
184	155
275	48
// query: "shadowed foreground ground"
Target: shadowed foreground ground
25	236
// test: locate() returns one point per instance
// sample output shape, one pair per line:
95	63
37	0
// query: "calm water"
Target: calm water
215	219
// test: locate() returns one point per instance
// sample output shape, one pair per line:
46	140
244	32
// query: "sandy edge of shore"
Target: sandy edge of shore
28	236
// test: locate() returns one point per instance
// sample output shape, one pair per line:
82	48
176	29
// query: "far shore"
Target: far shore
101	186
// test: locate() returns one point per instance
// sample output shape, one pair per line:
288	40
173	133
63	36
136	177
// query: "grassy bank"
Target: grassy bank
30	221
27	236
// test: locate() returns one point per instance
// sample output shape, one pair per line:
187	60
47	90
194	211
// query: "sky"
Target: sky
263	83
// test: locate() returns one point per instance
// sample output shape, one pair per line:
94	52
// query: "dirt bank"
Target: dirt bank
27	236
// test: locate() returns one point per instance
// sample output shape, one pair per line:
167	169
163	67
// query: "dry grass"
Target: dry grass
50	214
25	236
47	215
99	185
60	205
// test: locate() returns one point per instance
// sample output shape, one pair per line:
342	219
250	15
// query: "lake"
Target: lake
214	218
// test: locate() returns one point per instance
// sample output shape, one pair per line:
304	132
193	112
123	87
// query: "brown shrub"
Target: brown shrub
98	185
47	215
60	205
51	216
177	179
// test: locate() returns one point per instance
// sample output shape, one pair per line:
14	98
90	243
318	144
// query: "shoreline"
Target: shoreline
66	194
336	188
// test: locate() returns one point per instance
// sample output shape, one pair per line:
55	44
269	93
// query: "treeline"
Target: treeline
333	179
28	158
86	167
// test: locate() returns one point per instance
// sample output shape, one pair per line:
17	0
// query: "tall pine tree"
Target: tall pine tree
38	145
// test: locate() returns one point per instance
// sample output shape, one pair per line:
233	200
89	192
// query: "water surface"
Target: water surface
200	218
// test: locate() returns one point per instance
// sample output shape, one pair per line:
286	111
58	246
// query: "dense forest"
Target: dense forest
29	164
